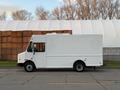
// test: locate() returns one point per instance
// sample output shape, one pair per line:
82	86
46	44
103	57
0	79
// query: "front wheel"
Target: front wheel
29	67
79	67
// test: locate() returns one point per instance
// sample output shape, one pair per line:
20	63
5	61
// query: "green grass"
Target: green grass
7	64
13	64
112	64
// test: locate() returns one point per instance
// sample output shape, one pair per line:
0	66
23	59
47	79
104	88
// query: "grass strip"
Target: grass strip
107	64
4	63
112	64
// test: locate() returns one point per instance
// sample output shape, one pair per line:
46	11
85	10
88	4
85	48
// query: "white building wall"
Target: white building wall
110	29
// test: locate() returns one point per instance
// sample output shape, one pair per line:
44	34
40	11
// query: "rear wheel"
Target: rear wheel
29	67
79	67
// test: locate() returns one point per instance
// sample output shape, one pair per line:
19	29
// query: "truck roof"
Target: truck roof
42	38
66	35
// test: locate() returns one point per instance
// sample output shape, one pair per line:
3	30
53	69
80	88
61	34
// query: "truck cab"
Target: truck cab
34	52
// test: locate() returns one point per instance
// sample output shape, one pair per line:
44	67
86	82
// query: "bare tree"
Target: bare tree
87	9
22	15
3	16
57	13
82	9
41	13
66	11
94	13
117	9
74	10
108	8
69	10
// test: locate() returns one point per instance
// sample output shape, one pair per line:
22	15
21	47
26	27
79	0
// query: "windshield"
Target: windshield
30	47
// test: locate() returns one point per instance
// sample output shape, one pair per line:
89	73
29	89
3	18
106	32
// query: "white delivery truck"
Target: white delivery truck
62	51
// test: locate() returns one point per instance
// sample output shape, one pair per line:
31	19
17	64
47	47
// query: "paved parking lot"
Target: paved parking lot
18	79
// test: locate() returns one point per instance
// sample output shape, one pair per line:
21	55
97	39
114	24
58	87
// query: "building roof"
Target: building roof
110	29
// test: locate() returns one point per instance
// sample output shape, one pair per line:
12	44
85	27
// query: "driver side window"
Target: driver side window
39	47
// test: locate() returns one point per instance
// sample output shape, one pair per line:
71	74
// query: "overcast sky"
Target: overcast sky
30	5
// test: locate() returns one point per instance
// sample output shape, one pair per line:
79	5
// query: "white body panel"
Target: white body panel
61	51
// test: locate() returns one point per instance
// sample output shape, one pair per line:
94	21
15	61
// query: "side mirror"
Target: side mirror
34	46
33	52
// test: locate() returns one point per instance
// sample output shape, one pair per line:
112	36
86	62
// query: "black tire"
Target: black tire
29	67
79	67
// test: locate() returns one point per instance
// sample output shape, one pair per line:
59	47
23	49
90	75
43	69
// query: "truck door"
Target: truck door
39	54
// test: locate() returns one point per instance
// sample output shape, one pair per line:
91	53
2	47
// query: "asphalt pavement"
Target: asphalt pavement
101	79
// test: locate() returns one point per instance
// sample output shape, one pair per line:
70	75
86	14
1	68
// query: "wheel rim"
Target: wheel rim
29	67
79	67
